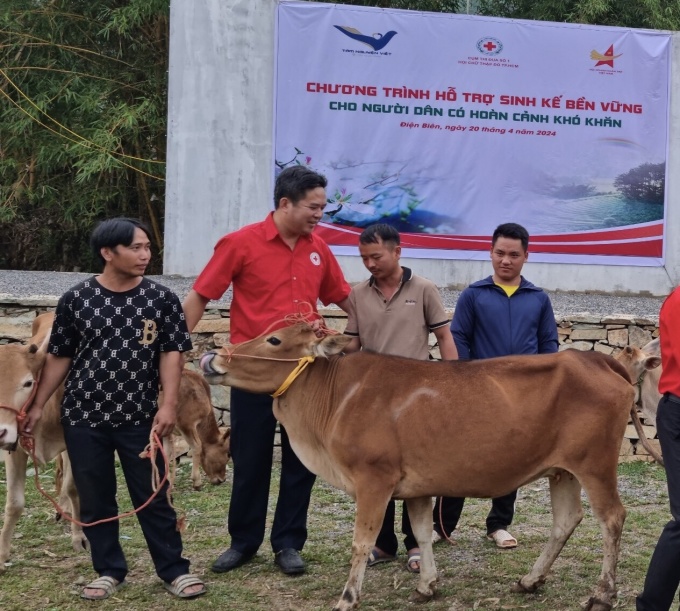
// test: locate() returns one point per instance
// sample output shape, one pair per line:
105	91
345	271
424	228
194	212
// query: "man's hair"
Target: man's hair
512	231
112	232
379	232
294	182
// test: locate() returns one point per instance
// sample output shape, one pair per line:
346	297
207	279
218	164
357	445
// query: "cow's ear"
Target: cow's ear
652	362
332	344
653	348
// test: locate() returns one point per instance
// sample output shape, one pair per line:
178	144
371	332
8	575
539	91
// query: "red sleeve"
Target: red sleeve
224	265
334	287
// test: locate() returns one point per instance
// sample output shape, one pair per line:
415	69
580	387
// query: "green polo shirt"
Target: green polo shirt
401	325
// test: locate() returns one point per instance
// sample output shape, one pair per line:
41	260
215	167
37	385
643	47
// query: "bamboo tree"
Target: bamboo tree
82	123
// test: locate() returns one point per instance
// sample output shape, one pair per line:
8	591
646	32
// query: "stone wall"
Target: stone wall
582	331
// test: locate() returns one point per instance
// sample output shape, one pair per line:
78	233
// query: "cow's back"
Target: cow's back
500	422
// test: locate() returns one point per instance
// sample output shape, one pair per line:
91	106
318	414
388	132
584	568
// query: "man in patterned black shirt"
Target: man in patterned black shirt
114	338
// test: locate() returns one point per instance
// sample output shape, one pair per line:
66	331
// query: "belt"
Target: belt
672	398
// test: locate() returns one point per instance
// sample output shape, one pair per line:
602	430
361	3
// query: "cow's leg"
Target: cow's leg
420	514
15	473
196	451
371	506
610	513
565	498
78	538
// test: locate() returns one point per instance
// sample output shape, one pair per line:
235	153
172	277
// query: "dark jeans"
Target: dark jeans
387	540
663	574
91	451
500	517
252	443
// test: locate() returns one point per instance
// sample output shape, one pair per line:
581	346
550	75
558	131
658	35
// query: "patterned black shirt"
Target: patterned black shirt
115	341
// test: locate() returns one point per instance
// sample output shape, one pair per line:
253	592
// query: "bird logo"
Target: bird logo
376	41
606	59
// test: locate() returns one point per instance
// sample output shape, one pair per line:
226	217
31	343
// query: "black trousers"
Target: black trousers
663	574
91	451
252	443
500	517
387	539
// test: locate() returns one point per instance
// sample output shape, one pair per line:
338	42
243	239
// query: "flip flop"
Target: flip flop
377	556
413	557
503	539
183	582
106	583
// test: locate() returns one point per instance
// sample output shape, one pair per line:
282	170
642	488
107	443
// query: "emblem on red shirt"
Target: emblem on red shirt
315	258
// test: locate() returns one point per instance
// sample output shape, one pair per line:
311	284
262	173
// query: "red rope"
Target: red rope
147	453
305	315
28	443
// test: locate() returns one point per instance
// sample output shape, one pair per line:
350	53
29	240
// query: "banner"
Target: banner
446	125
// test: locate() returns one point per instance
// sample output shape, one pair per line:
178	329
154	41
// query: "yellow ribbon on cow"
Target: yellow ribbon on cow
301	366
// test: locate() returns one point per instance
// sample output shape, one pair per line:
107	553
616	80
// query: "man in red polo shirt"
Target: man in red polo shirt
275	267
663	574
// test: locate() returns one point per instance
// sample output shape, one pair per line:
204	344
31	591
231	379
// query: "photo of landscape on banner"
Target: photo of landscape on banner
446	125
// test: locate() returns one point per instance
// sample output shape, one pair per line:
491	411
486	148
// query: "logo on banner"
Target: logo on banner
604	59
377	42
489	46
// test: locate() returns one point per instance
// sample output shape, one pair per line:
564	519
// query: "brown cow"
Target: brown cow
19	368
644	367
382	427
197	425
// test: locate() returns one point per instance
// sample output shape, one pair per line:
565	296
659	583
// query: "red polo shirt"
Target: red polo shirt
270	280
669	336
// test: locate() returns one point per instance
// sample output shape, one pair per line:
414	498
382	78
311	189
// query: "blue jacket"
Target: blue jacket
487	323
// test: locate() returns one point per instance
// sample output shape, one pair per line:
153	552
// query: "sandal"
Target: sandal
377	556
503	539
108	584
413	562
181	583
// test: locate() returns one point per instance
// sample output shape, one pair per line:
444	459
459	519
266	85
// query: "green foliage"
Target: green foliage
82	123
654	14
645	183
438	6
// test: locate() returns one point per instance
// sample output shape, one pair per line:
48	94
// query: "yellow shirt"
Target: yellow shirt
509	290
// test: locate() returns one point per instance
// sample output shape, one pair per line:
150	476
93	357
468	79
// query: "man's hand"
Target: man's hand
33	414
165	420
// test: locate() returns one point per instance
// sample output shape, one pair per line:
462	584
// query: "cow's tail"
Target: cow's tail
643	438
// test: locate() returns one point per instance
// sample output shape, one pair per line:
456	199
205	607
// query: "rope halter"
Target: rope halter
301	366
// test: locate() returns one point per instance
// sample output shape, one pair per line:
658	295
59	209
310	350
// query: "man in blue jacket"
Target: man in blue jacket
501	315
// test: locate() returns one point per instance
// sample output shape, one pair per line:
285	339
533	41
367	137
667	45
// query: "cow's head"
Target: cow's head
215	456
20	367
638	360
261	365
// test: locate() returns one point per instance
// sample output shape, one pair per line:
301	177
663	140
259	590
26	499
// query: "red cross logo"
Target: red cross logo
489	46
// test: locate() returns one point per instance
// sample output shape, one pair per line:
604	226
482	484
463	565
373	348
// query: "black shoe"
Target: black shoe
290	562
231	559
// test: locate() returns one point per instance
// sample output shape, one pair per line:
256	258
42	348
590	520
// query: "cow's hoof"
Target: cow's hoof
348	601
197	486
419	597
80	543
597	604
520	588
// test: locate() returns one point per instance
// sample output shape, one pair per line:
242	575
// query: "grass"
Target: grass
46	574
